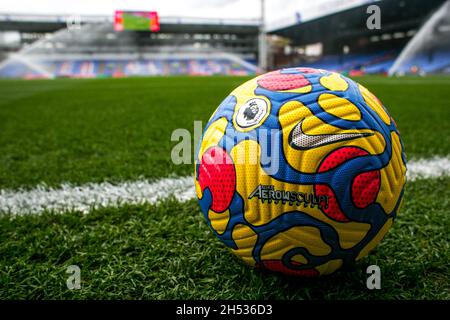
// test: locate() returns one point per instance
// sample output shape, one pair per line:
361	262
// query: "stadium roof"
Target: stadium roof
349	24
51	23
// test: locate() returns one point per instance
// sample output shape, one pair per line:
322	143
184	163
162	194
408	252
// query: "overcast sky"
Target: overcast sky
277	10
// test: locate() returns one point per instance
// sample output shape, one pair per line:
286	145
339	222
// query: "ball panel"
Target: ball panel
217	173
375	104
393	178
278	266
339	107
361	185
339	156
213	135
245	239
334	82
307	70
277	81
365	188
298	258
332	210
376	240
329	267
219	221
295	237
351	233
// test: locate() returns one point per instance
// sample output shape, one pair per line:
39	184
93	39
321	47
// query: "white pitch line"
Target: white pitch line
97	195
94	195
428	168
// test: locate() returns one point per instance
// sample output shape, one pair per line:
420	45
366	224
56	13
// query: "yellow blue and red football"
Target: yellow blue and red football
300	171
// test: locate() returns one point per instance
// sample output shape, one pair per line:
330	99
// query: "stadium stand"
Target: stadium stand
429	50
183	46
348	46
437	63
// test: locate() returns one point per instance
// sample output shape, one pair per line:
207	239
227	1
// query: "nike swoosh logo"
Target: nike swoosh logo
302	141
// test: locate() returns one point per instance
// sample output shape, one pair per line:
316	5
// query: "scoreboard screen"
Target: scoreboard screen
136	21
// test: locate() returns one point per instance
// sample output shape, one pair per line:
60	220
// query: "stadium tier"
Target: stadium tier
438	62
124	68
381	63
372	63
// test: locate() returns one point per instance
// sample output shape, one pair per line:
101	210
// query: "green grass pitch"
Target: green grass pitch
82	131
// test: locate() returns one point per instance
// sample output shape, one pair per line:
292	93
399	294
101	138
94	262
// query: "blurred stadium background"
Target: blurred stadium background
332	35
